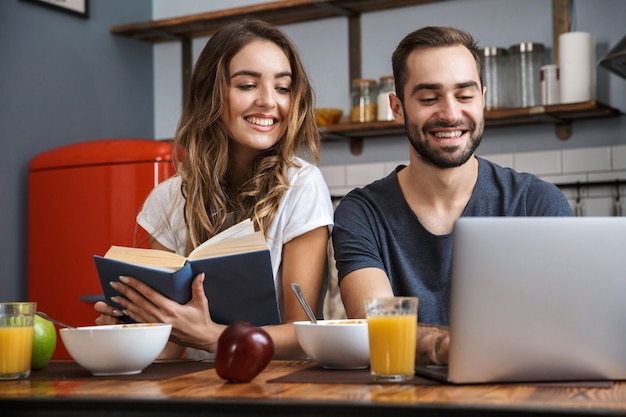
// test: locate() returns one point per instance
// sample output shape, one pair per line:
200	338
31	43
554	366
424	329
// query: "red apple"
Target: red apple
243	351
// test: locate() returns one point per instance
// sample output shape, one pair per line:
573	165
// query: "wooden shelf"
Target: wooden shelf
348	130
560	114
556	114
185	28
275	12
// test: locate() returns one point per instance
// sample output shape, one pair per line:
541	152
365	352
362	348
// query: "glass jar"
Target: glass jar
363	100
549	84
526	61
387	85
496	78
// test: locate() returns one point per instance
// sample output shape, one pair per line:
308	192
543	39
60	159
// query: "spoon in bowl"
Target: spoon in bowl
305	306
45	316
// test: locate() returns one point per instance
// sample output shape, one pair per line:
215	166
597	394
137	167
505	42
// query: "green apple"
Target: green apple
44	342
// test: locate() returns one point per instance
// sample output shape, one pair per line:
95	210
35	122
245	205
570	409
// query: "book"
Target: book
239	281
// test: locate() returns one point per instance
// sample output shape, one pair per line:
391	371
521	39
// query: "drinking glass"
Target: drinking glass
392	328
16	339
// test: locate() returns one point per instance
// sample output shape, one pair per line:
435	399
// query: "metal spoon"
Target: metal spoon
45	316
298	291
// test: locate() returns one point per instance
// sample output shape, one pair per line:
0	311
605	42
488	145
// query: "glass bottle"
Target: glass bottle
363	100
387	85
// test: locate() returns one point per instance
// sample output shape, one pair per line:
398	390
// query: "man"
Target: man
394	237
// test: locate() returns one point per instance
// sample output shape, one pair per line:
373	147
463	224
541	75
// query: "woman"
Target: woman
248	113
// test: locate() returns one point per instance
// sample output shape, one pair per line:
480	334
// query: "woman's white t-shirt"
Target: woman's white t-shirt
305	206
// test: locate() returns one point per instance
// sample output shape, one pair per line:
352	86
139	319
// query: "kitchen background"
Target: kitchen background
64	80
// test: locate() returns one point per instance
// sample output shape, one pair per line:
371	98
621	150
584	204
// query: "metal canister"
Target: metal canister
527	58
496	76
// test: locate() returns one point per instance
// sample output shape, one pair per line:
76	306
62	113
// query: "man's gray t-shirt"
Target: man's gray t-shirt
375	227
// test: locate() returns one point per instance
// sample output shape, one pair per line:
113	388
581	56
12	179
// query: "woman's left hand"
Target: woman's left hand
191	322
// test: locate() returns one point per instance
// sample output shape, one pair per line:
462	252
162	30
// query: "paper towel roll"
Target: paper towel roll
577	62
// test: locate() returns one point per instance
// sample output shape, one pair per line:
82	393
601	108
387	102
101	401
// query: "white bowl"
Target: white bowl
118	349
335	344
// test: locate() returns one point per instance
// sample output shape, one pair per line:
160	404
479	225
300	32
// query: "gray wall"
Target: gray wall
63	80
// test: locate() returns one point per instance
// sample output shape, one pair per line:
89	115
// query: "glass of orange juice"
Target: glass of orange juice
392	328
16	339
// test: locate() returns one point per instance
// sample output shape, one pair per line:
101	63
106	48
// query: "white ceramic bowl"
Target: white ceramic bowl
118	349
335	344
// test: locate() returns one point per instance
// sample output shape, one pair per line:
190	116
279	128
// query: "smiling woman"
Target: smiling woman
248	114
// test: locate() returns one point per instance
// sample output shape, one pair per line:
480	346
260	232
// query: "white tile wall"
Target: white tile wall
607	176
503	159
587	159
390	166
570	166
539	163
619	157
359	174
335	176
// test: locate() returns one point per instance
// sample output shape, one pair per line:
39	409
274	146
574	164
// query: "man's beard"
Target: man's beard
449	156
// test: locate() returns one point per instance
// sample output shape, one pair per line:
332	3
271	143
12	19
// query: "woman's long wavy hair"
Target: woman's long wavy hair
204	163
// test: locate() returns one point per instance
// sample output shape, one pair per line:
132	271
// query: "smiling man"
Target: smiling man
394	236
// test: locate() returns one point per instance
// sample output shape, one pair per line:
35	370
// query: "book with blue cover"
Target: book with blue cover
239	282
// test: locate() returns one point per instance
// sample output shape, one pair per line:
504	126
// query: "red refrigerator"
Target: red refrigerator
83	198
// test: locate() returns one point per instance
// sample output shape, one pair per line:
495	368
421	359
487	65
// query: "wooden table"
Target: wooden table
204	393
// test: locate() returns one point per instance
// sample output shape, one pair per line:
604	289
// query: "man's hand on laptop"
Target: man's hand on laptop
432	345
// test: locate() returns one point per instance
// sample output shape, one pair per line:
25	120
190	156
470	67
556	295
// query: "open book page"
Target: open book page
240	238
244	227
147	257
240	244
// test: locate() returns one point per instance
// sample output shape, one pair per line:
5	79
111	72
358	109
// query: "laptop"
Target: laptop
537	299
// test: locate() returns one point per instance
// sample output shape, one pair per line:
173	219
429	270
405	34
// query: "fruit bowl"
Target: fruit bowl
335	344
327	116
117	349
